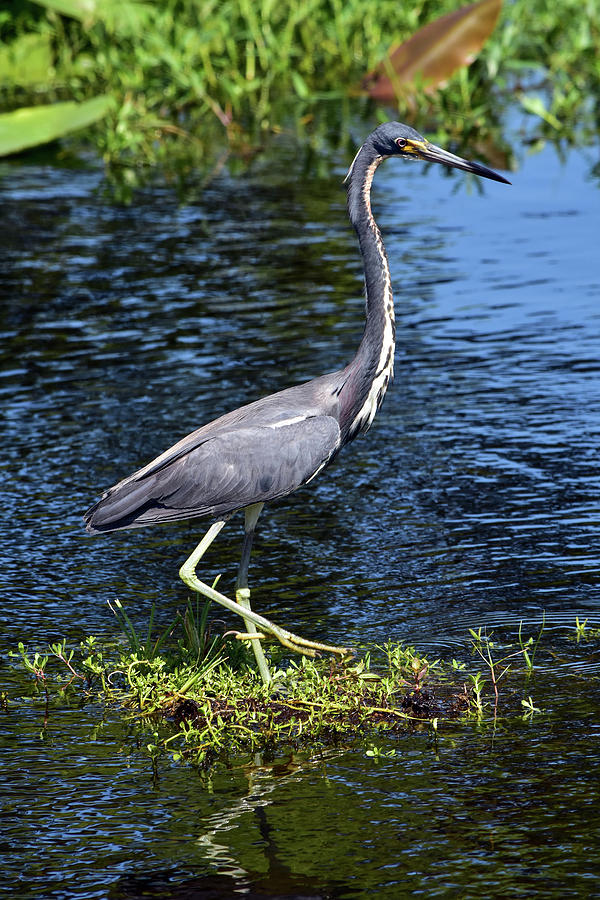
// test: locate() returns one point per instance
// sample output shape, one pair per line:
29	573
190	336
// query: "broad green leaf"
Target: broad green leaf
119	16
84	10
26	60
434	52
34	125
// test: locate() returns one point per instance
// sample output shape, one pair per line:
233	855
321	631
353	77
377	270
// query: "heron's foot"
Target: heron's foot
292	641
248	636
312	648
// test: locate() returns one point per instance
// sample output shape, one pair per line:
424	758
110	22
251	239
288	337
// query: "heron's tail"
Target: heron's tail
125	506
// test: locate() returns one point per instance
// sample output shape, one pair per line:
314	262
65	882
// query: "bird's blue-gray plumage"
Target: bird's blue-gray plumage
271	447
257	453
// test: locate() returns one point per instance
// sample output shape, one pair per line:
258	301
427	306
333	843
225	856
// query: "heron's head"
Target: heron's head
395	139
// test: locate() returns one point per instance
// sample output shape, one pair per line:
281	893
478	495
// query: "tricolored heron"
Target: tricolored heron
271	447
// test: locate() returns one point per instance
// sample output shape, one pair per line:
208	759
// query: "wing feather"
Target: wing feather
236	465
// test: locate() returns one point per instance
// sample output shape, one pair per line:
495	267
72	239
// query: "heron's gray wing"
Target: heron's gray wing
232	469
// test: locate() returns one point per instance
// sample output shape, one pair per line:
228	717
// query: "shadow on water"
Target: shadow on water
472	502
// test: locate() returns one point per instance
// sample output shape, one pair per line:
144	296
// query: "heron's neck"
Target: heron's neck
373	366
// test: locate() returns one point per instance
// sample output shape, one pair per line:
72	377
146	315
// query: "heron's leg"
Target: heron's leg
242	591
188	575
252	513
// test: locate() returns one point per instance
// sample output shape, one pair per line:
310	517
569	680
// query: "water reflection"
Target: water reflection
472	501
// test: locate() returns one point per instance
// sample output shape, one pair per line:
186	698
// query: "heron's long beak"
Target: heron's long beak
435	154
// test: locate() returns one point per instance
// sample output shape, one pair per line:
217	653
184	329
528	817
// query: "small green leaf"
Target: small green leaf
299	85
535	106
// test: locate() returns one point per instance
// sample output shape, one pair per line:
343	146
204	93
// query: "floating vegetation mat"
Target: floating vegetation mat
199	699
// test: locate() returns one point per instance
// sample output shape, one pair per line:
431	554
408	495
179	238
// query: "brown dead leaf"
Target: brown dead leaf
435	51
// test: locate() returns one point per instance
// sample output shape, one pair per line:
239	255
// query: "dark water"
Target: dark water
472	501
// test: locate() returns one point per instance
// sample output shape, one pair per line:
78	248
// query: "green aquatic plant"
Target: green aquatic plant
377	753
36	665
498	668
196	697
580	629
530	709
476	700
529	646
583	632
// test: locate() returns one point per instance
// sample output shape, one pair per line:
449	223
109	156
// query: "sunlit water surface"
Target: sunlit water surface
473	501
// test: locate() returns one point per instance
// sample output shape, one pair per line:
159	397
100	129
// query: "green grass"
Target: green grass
196	79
